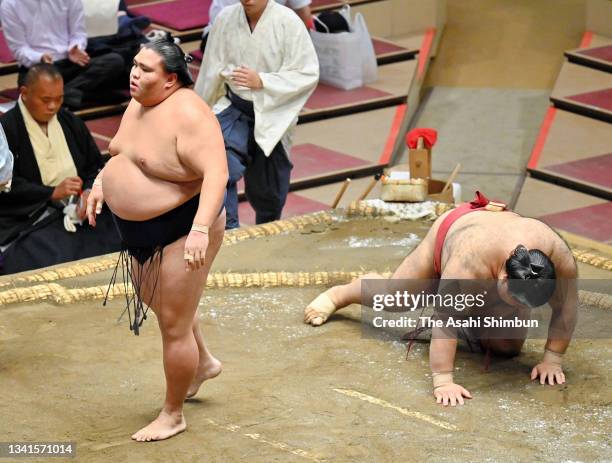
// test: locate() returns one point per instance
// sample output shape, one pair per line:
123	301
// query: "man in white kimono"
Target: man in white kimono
259	69
301	8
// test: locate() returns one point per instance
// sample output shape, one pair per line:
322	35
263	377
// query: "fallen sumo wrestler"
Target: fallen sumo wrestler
165	185
528	262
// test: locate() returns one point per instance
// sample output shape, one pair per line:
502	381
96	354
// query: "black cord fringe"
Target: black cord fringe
137	267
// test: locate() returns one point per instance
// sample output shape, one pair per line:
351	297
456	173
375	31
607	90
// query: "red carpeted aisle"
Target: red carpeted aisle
5	54
386	52
295	205
584	90
180	15
573	151
594	57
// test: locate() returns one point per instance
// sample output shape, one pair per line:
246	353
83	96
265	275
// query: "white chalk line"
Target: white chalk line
104	445
403	411
259	438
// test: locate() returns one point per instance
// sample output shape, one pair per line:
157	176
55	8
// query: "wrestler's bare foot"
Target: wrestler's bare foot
321	308
164	426
208	370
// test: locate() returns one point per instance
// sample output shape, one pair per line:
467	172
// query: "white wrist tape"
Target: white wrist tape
200	228
552	357
442	379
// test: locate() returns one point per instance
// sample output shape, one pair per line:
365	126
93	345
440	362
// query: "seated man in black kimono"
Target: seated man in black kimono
6	164
55	163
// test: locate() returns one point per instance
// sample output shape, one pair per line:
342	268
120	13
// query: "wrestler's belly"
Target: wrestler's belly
133	195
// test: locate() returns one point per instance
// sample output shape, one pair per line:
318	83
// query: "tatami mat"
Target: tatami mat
180	15
598	40
577	152
584	91
390	89
567	210
296	205
387	51
599	57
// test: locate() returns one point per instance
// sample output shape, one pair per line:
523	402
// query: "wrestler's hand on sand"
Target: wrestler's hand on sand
195	250
451	394
551	371
95	201
246	77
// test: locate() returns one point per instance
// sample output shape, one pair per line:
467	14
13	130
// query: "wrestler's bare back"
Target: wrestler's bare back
479	243
145	176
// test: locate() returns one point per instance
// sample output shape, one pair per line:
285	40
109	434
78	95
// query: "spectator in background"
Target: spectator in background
53	31
101	17
56	159
111	29
301	8
6	164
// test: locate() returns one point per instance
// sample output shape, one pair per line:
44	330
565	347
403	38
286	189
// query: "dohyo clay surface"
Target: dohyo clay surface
291	392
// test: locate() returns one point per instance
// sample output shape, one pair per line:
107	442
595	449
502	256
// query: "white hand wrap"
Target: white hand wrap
442	379
552	357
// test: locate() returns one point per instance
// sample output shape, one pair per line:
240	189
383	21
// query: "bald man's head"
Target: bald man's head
41	70
42	91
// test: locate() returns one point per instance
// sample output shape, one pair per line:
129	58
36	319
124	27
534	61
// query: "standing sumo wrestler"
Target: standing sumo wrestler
165	185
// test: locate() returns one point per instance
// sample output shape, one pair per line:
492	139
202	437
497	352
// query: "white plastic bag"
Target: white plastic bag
359	27
337	64
101	17
368	55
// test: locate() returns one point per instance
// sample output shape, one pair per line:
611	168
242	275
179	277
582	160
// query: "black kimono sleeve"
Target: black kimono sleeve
28	195
85	152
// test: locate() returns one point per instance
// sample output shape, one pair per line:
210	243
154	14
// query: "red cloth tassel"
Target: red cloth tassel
479	201
429	136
